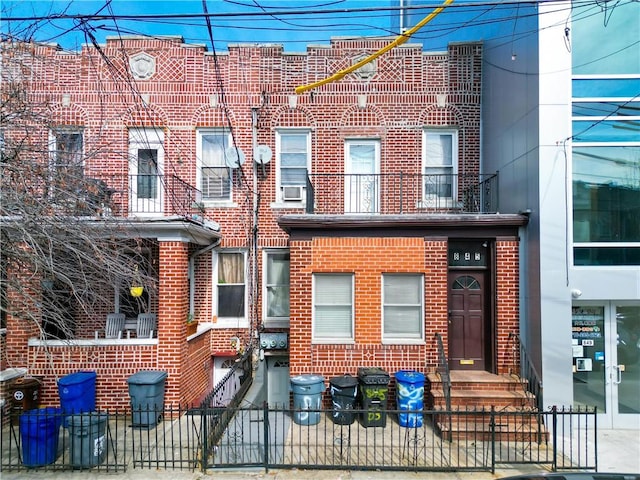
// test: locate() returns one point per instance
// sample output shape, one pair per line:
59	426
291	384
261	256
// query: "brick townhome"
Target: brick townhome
362	225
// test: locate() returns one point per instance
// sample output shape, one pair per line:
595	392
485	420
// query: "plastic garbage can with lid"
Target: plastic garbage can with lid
344	391
307	398
24	396
410	396
374	386
87	439
146	389
77	393
39	431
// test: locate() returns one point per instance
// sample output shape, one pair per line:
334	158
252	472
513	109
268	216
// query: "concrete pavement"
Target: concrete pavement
618	451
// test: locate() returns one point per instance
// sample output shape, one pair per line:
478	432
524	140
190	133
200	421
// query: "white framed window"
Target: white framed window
230	292
402	307
146	166
333	308
66	148
276	288
362	176
293	157
214	177
440	166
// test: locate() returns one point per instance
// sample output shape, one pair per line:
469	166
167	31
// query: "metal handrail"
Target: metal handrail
443	371
526	370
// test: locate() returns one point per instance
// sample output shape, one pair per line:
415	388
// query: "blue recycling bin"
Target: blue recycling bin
39	431
146	390
77	393
410	396
307	398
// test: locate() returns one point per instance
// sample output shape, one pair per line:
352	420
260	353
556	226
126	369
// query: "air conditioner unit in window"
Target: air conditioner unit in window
292	193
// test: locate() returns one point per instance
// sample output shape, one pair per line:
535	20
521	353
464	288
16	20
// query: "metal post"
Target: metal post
492	427
205	437
265	416
554	426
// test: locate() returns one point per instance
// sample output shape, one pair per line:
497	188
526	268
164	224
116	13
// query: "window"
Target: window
402	307
440	152
146	164
276	291
67	153
362	182
230	290
293	152
332	307
214	177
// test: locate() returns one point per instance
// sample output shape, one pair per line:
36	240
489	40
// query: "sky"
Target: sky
292	23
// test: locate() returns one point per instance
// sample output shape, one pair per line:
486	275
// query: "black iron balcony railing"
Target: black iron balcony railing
139	195
401	193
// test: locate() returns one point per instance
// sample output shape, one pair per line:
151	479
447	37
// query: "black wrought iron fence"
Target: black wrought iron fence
284	438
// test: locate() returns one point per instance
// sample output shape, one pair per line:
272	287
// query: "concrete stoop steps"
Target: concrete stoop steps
473	396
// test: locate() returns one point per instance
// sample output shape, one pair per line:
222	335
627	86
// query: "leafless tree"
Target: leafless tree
62	252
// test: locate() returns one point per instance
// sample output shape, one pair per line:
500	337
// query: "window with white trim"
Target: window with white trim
293	156
402	307
229	296
440	163
214	176
276	288
333	308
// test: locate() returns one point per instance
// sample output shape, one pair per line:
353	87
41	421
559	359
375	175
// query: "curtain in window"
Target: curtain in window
231	285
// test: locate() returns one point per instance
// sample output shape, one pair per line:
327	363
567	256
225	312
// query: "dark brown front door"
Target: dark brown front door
467	320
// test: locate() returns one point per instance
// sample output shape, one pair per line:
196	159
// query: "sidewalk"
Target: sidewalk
618	451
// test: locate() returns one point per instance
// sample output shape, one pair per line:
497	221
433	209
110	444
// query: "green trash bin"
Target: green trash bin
373	387
88	439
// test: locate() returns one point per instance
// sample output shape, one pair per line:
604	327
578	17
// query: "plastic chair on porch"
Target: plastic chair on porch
146	325
114	326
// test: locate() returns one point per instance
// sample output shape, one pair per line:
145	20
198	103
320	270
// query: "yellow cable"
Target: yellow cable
398	41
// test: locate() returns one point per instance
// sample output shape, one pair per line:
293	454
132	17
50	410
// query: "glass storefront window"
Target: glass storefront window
588	349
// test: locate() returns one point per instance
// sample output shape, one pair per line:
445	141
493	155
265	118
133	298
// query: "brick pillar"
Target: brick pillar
173	306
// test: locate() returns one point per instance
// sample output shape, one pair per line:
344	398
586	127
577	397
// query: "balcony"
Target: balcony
400	193
138	196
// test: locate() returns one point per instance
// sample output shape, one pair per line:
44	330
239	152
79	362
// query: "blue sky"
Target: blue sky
248	21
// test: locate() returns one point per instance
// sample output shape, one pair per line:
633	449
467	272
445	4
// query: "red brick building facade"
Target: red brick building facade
347	186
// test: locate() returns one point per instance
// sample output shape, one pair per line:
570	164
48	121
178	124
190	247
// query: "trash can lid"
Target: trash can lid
373	375
343	381
85	419
77	377
409	376
147	377
307	379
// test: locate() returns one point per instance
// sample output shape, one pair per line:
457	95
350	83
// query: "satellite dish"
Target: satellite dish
262	154
234	157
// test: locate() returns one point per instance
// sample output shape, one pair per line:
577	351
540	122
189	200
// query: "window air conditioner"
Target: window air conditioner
292	193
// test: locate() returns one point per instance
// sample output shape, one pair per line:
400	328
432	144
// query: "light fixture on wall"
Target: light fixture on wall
293	101
213	100
575	293
362	101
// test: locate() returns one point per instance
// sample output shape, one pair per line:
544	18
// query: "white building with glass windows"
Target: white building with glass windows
561	123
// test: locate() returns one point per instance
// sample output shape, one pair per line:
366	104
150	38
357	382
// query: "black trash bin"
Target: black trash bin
25	395
374	386
344	391
146	389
